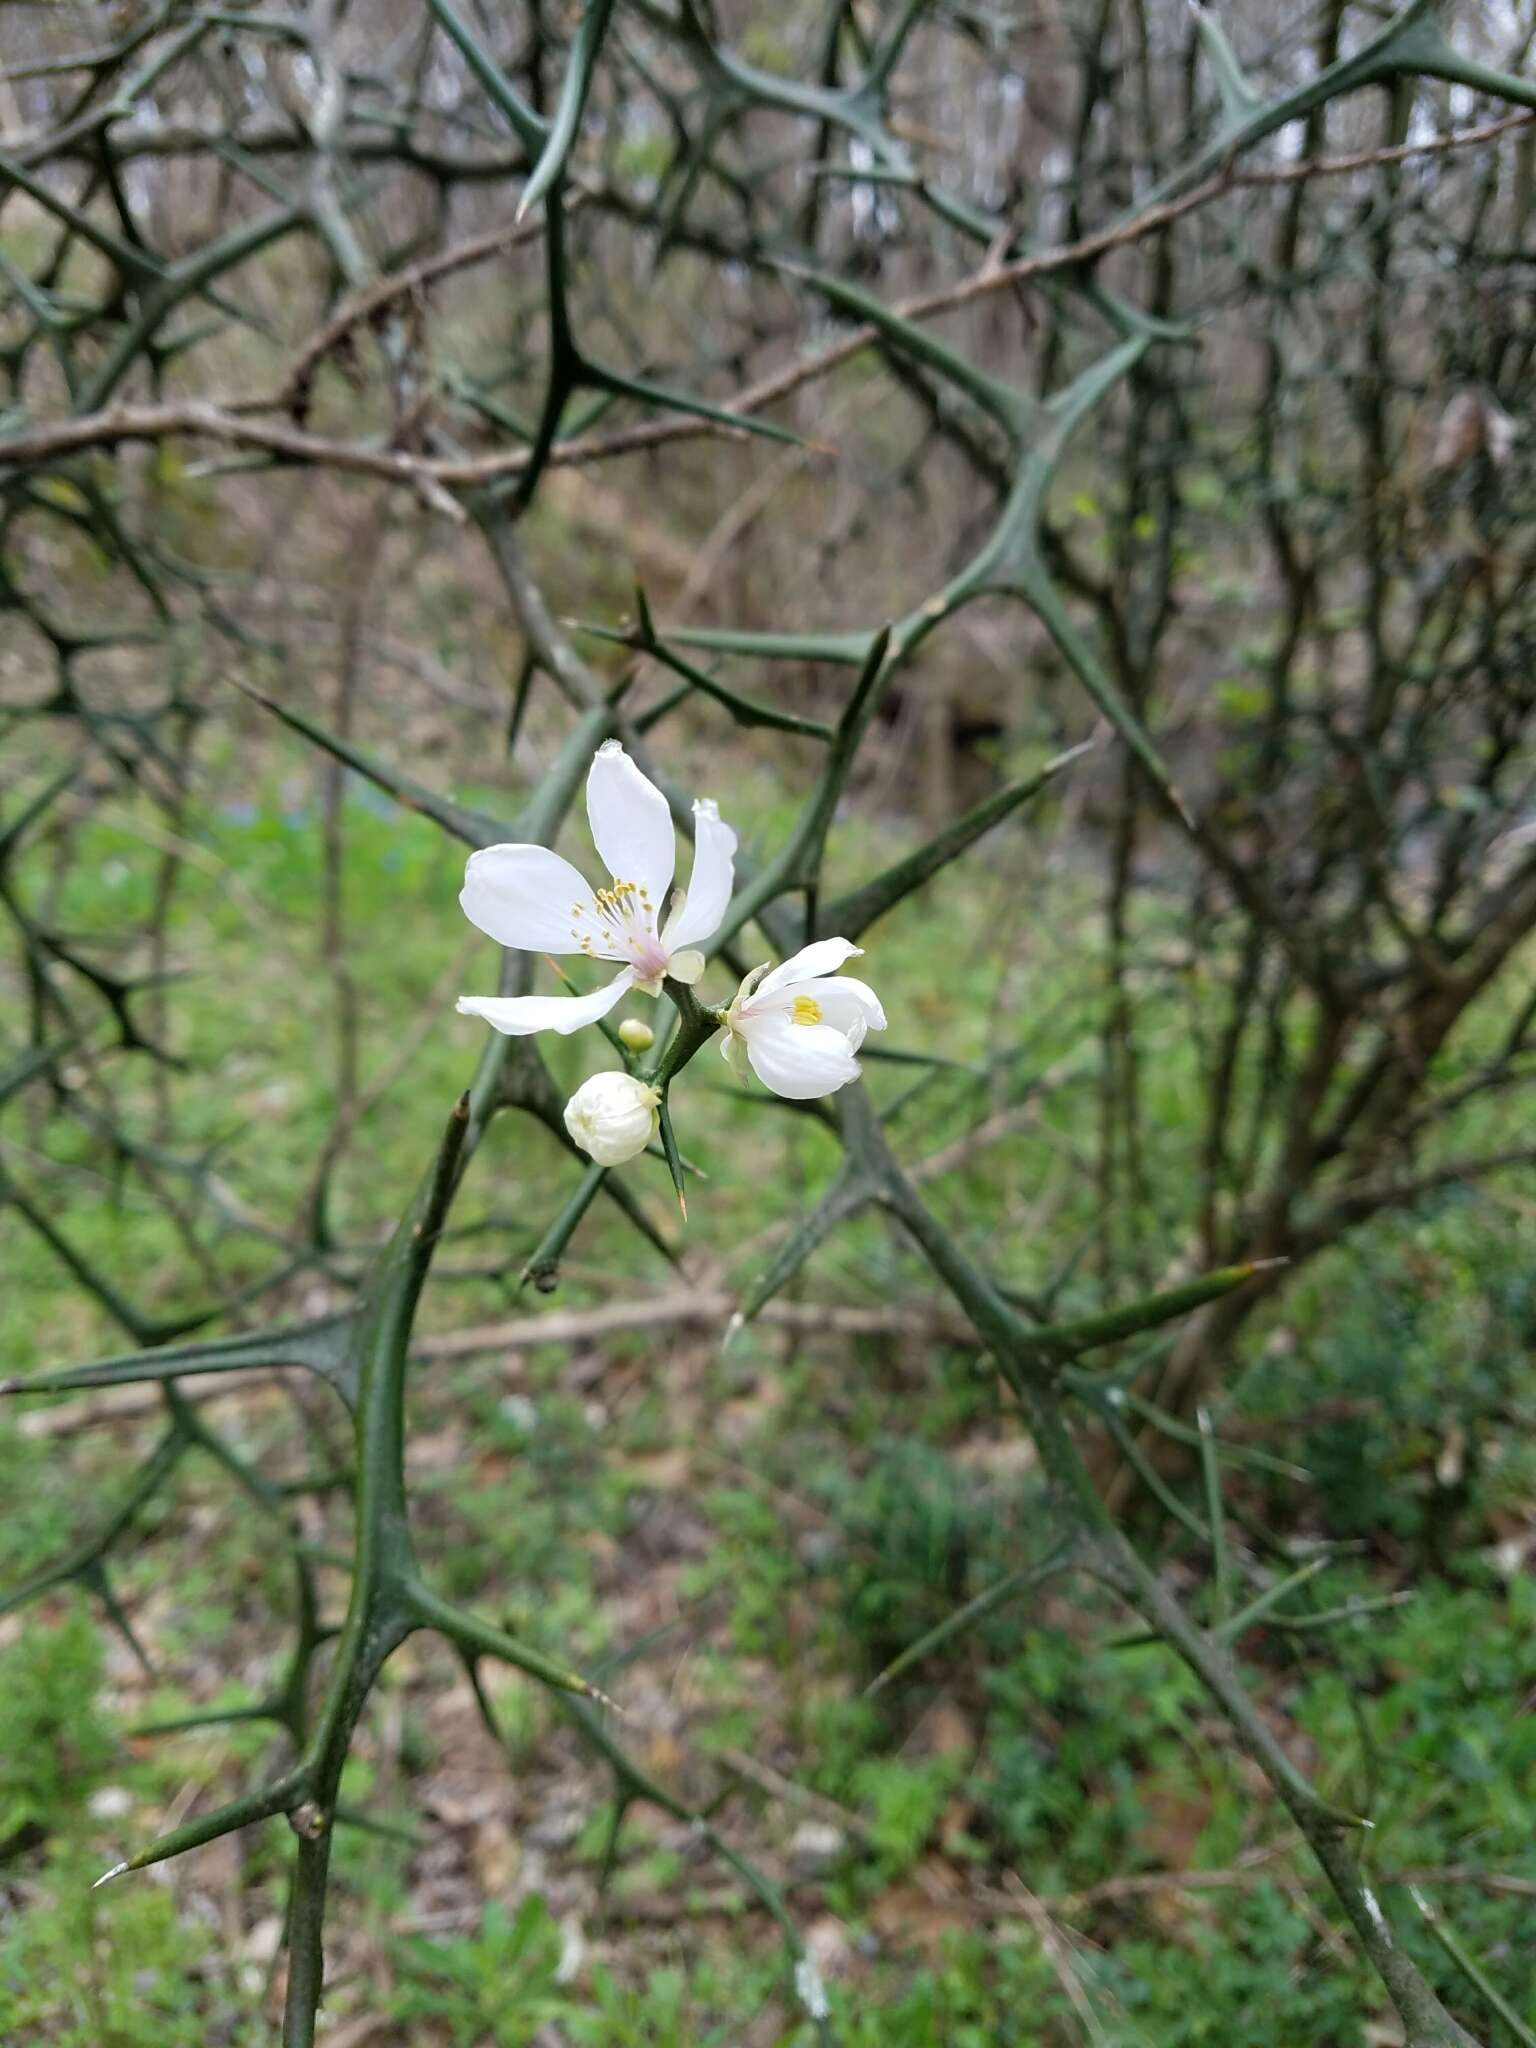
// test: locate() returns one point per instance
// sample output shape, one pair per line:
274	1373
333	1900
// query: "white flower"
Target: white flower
811	1991
800	1025
612	1117
528	897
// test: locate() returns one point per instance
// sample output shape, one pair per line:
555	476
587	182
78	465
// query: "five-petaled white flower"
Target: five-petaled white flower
800	1025
528	897
613	1117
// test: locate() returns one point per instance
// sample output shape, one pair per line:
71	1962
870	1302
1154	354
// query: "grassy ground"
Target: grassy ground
738	1543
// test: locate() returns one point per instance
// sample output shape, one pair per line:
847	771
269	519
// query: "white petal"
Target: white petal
522	896
518	1016
825	956
849	1006
710	883
631	825
749	982
799	1060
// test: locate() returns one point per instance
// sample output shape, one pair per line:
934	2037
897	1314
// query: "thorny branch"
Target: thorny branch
1351	986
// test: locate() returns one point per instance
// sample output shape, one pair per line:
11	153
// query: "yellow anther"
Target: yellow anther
805	1010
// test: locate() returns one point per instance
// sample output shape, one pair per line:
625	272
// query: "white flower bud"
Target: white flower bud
612	1117
811	1990
637	1036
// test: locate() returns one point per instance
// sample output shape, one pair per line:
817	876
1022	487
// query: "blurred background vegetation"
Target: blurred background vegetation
1258	988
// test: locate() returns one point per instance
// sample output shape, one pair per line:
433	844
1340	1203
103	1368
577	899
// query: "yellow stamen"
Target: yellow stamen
805	1010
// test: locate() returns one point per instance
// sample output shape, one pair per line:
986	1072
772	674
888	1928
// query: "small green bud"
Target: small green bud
637	1036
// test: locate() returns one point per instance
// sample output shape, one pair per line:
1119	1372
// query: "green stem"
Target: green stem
1111	1556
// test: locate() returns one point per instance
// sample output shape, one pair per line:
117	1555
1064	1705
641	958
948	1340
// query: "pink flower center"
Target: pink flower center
619	923
649	955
